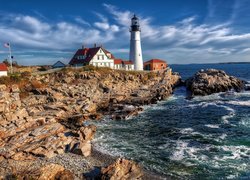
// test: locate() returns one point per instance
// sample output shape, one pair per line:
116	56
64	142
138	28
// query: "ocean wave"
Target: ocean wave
233	153
205	104
214	126
179	152
245	122
240	103
212	97
223	136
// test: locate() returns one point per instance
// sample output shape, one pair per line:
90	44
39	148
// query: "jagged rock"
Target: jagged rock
64	175
50	172
87	132
122	169
15	88
211	81
126	112
75	121
3	87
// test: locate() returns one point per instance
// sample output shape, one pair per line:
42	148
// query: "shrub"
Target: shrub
5	80
25	74
151	75
90	68
42	68
15	78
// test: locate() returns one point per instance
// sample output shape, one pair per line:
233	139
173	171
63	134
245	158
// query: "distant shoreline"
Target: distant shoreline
213	63
234	63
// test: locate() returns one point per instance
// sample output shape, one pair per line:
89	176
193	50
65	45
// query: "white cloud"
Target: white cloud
82	21
181	42
102	25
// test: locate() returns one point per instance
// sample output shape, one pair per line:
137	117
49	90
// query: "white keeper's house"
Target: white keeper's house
100	57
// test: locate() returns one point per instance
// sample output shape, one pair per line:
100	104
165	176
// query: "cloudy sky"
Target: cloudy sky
181	32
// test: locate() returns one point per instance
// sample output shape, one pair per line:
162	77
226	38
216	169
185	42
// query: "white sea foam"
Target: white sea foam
226	118
245	121
179	153
214	126
186	130
205	104
223	136
240	103
216	96
236	152
231	114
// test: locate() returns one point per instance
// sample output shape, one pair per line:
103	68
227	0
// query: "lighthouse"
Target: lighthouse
135	54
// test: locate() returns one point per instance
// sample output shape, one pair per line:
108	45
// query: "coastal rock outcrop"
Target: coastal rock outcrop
122	169
44	116
211	81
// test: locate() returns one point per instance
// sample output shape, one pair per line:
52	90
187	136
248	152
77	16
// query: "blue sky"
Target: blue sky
181	32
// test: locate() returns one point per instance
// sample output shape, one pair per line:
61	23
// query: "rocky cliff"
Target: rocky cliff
44	116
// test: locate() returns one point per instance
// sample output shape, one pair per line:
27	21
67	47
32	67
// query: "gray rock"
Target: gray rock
211	81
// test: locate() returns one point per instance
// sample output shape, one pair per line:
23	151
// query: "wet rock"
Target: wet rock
122	169
211	81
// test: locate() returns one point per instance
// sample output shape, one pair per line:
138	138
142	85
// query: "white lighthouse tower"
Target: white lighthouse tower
135	54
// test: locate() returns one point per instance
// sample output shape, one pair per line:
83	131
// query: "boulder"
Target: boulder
15	88
87	132
64	175
83	147
49	172
211	81
122	169
3	87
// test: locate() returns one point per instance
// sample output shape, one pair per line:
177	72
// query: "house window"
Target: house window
100	51
102	57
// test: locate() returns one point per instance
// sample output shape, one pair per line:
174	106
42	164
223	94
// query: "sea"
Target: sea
202	138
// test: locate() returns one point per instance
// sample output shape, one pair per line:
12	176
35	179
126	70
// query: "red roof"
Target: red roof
107	52
89	53
127	62
118	61
3	67
156	61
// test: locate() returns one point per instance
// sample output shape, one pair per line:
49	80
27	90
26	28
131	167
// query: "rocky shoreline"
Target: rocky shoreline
42	118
